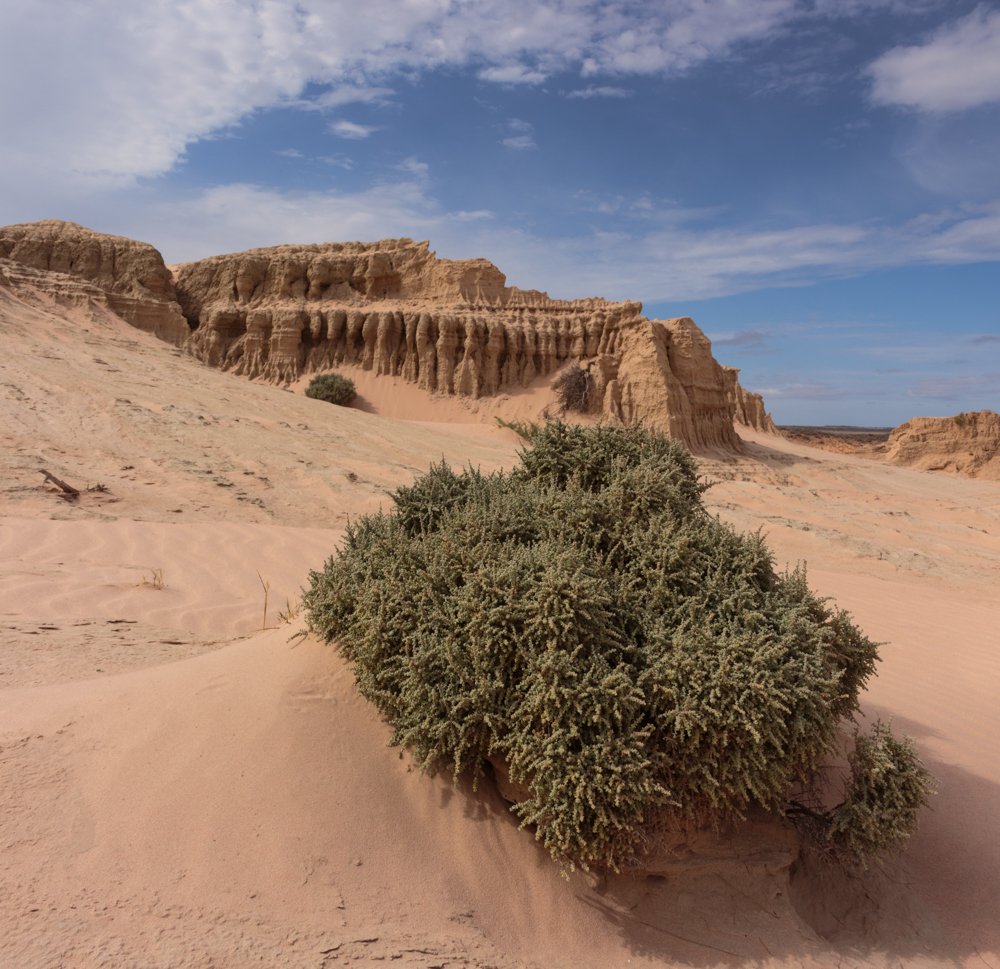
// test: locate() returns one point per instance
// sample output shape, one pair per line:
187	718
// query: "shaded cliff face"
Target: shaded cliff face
967	444
450	327
131	275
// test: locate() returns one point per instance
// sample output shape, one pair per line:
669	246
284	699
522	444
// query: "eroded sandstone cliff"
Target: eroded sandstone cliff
966	444
34	285
451	327
748	407
131	275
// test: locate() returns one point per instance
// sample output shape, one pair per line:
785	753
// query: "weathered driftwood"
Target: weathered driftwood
67	489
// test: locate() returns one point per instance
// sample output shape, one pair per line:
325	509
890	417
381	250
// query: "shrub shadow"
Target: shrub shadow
935	901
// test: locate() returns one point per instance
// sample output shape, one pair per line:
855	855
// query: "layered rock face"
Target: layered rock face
451	327
967	444
29	284
136	284
748	407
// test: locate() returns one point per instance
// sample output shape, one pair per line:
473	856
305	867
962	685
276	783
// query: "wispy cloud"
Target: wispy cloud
685	259
804	390
239	216
338	96
338	161
512	74
642	206
351	130
289	153
414	166
957	68
520	135
955	388
519	142
744	339
599	91
928	354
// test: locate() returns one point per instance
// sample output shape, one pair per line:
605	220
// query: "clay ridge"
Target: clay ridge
451	327
967	444
136	284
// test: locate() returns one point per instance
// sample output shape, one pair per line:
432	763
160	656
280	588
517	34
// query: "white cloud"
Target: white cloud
804	390
161	75
340	95
351	130
519	143
520	136
229	218
414	166
956	69
599	91
337	161
512	74
289	153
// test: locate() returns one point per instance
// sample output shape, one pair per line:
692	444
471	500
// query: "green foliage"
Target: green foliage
584	619
333	388
888	786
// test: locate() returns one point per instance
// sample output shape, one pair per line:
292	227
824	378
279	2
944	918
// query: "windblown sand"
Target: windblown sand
182	788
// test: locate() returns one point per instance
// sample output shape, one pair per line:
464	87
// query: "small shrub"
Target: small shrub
333	388
583	619
887	788
154	580
574	388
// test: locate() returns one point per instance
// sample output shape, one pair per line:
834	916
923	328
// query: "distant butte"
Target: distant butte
966	444
451	327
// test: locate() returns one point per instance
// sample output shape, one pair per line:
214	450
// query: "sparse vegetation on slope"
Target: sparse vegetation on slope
574	387
584	619
333	388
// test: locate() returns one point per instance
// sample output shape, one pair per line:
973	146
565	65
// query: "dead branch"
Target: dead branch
67	489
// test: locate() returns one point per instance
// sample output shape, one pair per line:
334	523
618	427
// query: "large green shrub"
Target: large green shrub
333	388
585	620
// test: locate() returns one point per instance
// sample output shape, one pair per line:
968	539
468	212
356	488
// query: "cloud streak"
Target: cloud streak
521	135
598	91
351	130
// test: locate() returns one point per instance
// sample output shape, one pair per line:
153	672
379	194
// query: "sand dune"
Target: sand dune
178	789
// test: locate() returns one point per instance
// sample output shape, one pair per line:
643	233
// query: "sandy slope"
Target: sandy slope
915	556
238	806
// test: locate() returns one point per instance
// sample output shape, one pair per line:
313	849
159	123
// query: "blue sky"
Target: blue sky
816	182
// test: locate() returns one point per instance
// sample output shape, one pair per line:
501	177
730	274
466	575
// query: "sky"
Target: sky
815	182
